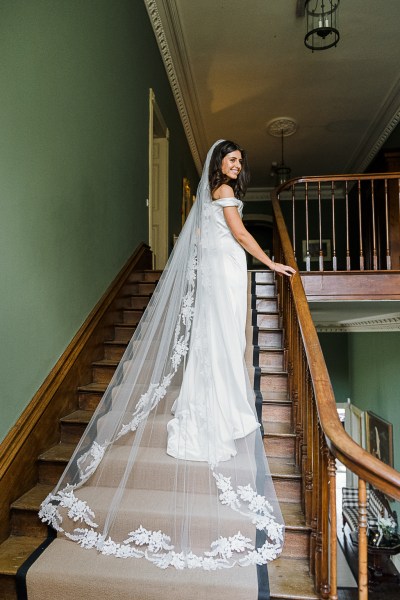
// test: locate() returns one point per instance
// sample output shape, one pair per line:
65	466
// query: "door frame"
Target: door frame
156	117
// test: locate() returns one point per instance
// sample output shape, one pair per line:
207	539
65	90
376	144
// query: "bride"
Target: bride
191	489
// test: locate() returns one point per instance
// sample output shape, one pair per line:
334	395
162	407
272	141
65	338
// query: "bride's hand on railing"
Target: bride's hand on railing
283	269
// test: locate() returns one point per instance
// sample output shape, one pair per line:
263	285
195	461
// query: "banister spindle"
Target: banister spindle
321	253
388	257
362	541
360	227
348	262
374	253
334	259
308	258
333	528
293	222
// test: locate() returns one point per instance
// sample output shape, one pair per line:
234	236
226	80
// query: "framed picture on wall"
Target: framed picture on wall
187	199
313	248
379	437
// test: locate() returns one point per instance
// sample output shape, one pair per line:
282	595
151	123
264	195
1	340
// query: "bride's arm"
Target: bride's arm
246	240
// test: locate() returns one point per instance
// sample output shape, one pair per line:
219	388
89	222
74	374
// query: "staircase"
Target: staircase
289	575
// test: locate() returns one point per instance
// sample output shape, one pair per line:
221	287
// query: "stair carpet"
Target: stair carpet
288	575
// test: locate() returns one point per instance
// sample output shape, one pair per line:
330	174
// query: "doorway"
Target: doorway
158	184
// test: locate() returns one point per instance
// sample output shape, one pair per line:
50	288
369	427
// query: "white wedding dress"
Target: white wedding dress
221	398
191	489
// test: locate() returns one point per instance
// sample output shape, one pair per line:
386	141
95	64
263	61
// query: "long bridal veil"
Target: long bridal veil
209	502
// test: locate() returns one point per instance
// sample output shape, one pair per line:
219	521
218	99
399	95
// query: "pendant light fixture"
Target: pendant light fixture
322	32
281	127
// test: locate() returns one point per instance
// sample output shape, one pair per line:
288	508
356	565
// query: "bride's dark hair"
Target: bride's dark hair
217	178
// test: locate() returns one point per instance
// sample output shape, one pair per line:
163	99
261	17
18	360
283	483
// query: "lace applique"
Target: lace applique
156	546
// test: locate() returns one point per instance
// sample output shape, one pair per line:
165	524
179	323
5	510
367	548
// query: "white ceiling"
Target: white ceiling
236	64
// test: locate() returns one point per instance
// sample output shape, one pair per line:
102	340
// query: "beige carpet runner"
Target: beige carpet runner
65	571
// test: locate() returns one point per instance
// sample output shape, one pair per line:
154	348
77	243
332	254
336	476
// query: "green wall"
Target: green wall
335	349
74	80
375	378
365	368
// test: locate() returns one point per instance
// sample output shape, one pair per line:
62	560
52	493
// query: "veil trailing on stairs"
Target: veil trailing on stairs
172	468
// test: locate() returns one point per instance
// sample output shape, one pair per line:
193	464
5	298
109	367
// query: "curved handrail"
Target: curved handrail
358	460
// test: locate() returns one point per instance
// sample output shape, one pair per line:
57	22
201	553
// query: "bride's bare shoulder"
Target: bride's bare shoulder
224	191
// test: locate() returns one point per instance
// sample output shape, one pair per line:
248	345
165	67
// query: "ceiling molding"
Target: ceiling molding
381	323
382	126
168	32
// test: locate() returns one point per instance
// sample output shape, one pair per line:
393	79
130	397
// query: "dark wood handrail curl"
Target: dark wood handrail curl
342	446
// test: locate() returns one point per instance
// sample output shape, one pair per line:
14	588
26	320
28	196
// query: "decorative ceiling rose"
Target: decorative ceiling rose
282	125
322	32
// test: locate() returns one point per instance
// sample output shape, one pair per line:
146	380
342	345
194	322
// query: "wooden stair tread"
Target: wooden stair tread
269	329
265	296
58	453
290	578
93	387
115	343
274	349
33	498
276	428
15	550
272	371
106	362
283	400
273	396
293	516
78	416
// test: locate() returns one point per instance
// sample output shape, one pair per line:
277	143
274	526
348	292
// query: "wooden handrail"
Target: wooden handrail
362	463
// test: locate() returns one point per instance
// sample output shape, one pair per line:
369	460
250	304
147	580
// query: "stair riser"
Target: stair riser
50	472
89	400
279	446
287	490
131	317
112	352
139	288
267	290
273	383
144	276
27	522
138	302
123	334
268	321
8	591
297	544
264	277
102	374
270	339
275	413
273	360
266	305
71	433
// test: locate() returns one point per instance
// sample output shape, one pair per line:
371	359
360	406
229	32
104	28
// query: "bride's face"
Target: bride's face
231	164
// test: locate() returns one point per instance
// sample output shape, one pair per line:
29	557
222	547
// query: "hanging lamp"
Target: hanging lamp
322	32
